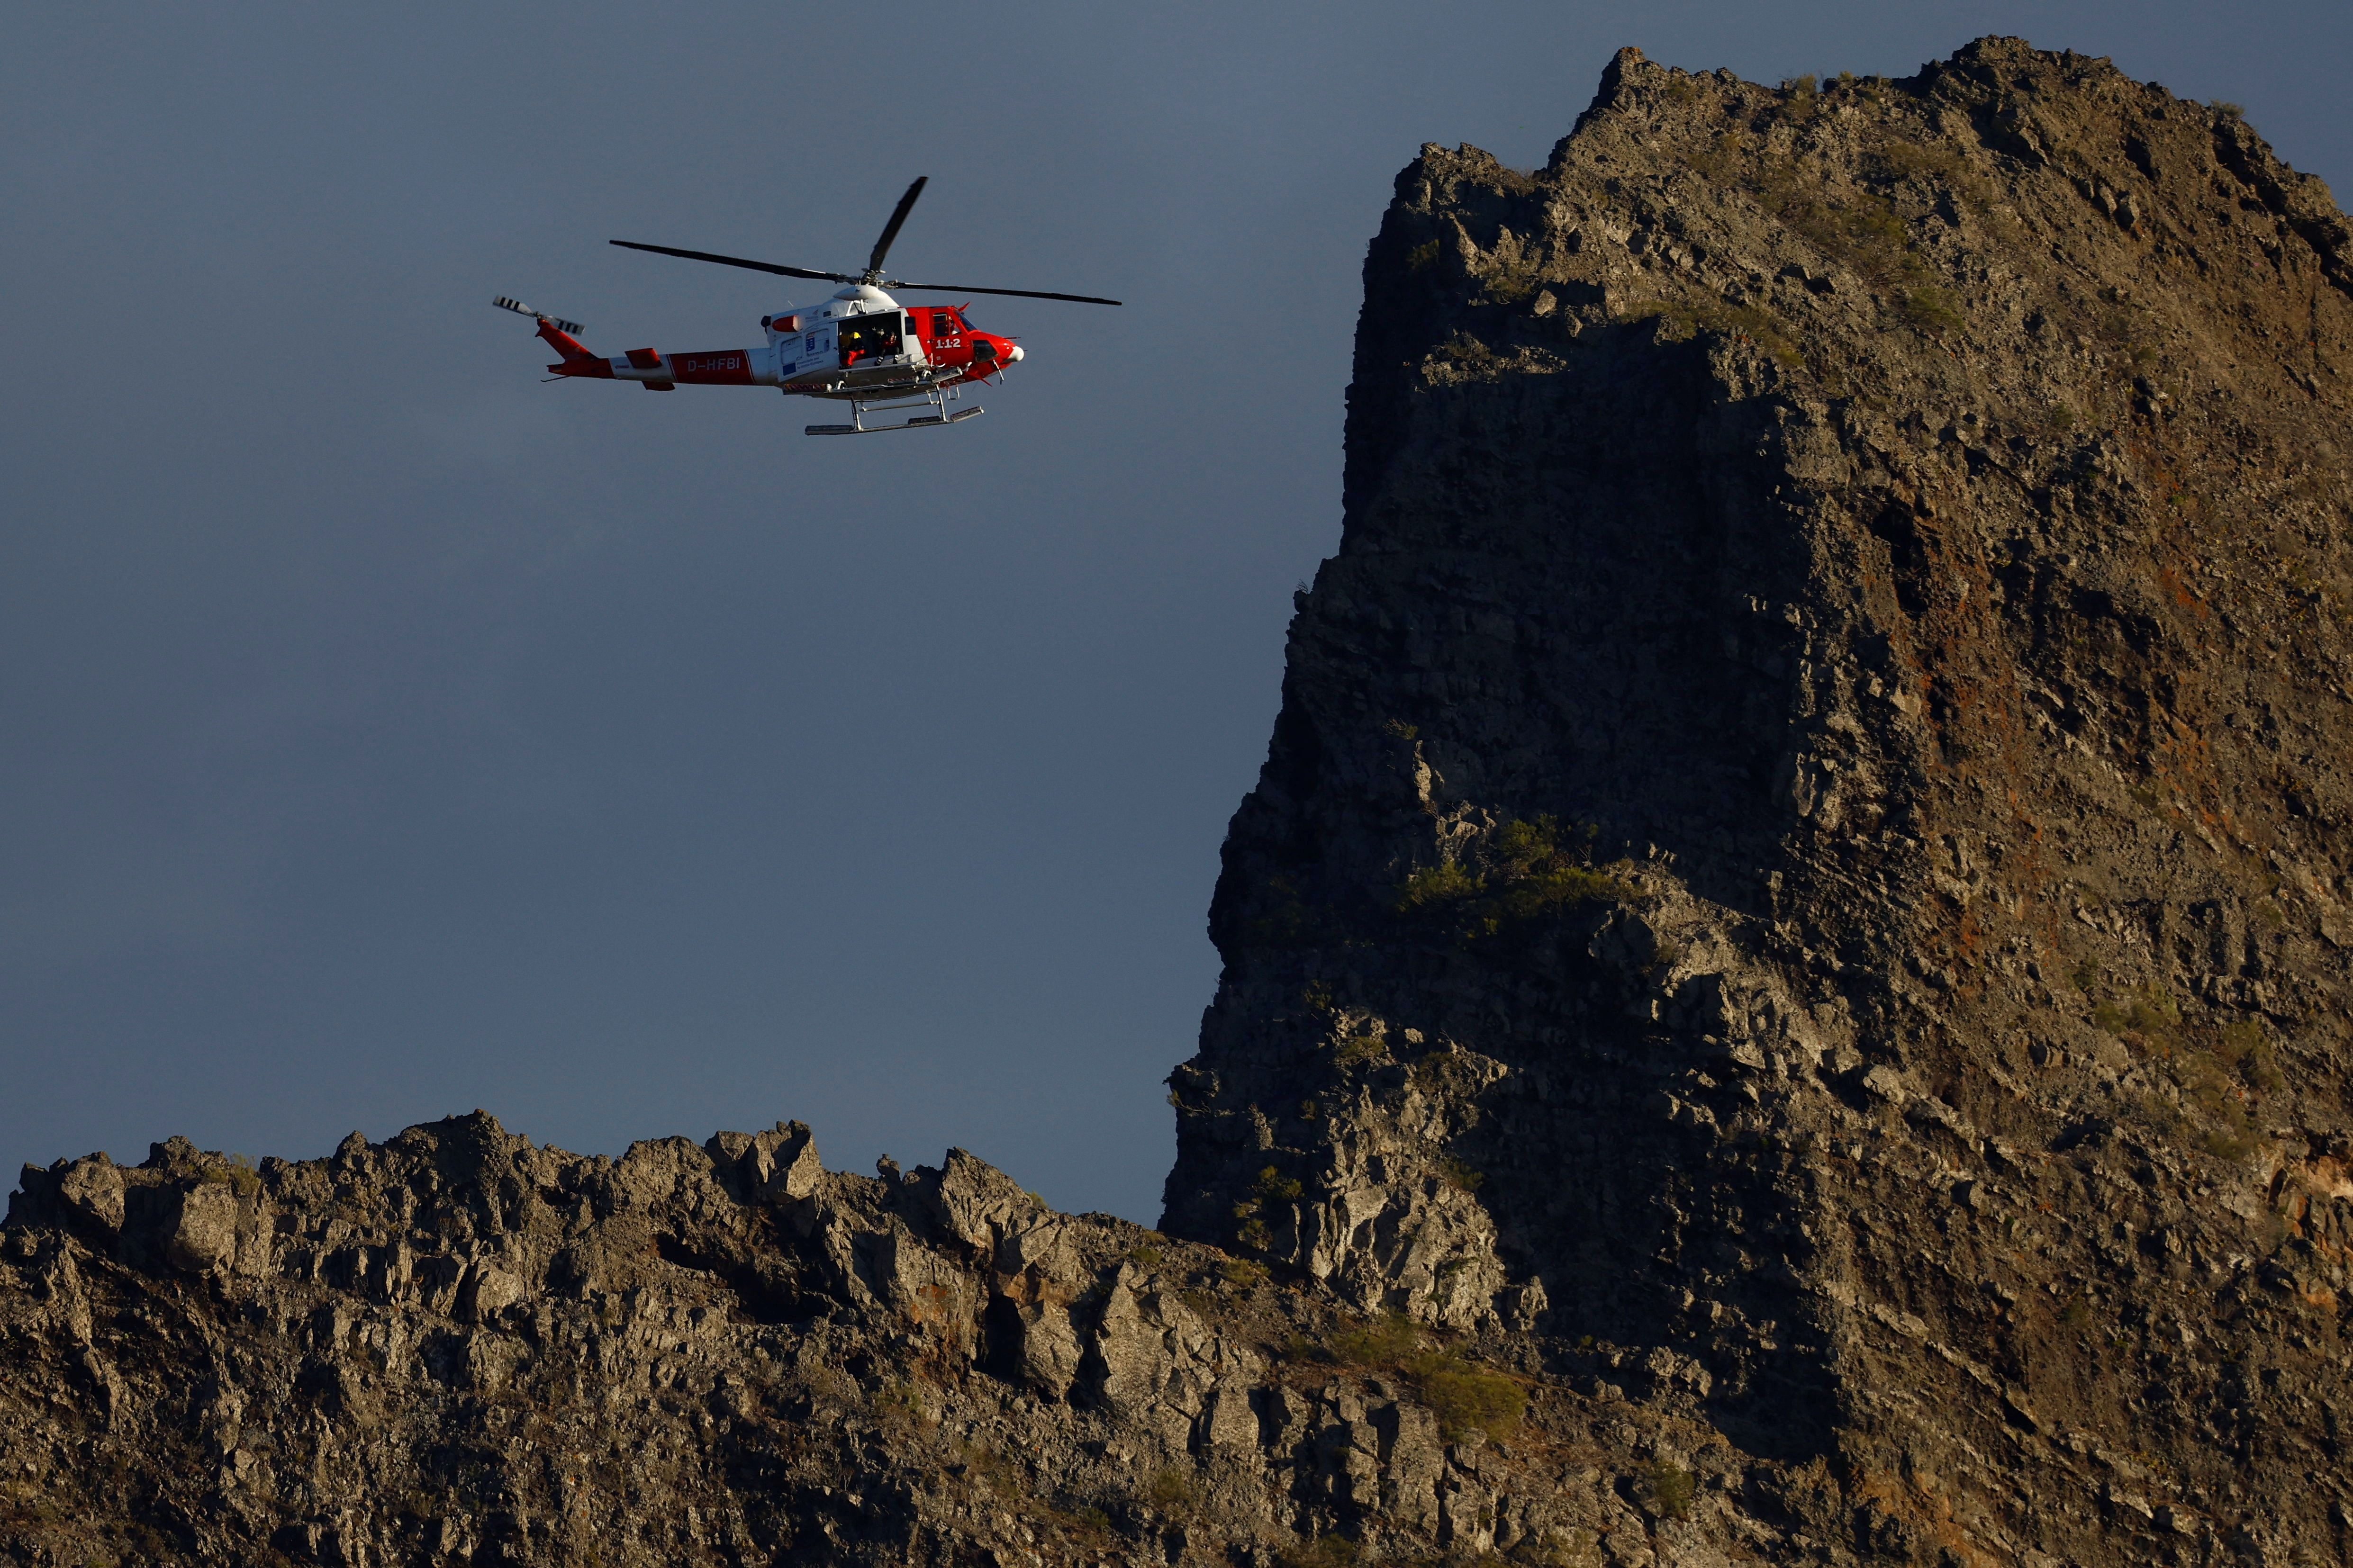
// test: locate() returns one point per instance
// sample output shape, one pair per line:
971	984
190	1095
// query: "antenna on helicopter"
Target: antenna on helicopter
520	309
873	277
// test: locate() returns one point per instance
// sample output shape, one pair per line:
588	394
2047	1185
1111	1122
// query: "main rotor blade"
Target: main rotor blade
739	261
1020	293
845	277
898	217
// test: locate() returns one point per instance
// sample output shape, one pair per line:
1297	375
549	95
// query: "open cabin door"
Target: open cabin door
867	339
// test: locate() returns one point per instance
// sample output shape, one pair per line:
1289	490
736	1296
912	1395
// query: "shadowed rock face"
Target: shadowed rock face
1784	991
1896	534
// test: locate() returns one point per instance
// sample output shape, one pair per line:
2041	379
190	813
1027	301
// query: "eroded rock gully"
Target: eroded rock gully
1785	990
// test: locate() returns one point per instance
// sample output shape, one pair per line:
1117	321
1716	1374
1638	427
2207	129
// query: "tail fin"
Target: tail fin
564	342
556	330
558	335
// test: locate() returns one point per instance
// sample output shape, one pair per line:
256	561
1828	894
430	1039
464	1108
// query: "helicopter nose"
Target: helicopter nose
1014	353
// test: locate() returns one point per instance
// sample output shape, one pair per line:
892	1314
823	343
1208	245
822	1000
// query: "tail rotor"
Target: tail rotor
520	309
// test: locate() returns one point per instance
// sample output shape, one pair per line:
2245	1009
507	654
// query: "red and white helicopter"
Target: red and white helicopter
861	347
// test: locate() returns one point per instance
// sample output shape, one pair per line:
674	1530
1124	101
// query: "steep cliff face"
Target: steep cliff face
1804	858
1785	981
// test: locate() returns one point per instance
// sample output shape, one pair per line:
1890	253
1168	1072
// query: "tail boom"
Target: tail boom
661	372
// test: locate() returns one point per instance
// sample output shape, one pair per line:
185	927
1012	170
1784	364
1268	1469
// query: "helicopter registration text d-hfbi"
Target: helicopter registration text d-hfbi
861	347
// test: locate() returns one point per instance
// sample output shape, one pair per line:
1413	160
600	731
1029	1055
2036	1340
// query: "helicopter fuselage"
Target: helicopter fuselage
860	344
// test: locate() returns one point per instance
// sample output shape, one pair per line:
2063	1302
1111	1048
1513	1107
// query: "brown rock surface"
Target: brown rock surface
1785	990
1896	534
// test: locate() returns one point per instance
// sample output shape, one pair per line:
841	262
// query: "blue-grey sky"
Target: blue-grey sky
383	733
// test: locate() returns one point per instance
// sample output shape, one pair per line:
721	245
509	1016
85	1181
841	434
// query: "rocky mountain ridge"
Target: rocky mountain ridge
1784	993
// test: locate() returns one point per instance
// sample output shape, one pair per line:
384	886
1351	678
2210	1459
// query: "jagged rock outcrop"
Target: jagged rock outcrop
1784	995
1817	778
457	1347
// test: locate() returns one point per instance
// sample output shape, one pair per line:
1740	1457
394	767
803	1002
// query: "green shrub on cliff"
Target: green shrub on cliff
1680	319
1171	1491
1242	1273
1438	885
1324	1551
1465	1396
1933	311
2149	1019
1380	1342
1671	1489
1274	1185
1523	872
2248	1049
2217	1066
237	1173
1458	1175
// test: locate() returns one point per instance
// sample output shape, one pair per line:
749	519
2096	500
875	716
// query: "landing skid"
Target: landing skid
935	398
920	422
